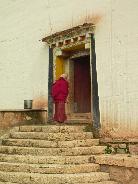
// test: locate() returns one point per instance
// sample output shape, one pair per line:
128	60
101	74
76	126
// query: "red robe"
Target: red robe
60	90
59	94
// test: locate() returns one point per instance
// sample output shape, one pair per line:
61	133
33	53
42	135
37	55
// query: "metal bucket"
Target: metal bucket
28	104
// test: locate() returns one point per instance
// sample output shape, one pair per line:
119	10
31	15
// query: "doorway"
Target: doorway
82	84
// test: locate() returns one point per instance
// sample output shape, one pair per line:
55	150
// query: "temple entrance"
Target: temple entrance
72	51
82	85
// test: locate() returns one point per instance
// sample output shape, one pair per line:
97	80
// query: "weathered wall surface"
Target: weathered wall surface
24	59
118	70
122	168
13	118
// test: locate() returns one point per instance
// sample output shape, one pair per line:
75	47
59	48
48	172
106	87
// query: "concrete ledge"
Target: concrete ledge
22	110
12	117
119	141
118	160
122	168
129	145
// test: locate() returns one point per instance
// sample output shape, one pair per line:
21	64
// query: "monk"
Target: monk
59	94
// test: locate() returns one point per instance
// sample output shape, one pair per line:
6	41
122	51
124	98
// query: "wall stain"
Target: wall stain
40	102
108	130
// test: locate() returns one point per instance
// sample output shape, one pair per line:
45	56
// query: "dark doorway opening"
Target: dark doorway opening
82	85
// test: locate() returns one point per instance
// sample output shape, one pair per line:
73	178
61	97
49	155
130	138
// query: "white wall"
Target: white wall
117	61
24	59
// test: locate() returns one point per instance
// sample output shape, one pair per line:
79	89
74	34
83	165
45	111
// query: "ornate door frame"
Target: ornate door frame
74	38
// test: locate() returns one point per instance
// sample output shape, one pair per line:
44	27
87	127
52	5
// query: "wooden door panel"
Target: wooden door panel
82	84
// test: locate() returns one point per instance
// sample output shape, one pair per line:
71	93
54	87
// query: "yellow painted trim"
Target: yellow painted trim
59	66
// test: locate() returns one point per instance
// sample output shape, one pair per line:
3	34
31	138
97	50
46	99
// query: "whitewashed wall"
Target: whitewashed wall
24	59
117	62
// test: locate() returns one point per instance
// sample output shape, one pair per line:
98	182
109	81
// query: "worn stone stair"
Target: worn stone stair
30	159
103	182
29	178
49	168
50	154
52	144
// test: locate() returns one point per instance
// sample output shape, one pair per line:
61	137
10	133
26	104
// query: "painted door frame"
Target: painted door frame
94	87
94	90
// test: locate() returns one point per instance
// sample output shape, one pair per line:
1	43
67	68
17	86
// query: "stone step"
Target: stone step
51	136
121	160
2	182
53	128
79	121
33	178
49	168
30	159
103	182
52	151
48	144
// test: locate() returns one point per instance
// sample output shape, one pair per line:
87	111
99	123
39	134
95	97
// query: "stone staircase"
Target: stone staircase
51	154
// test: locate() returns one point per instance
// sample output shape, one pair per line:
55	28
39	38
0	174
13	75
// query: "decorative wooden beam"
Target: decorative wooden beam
80	38
70	35
58	52
87	46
